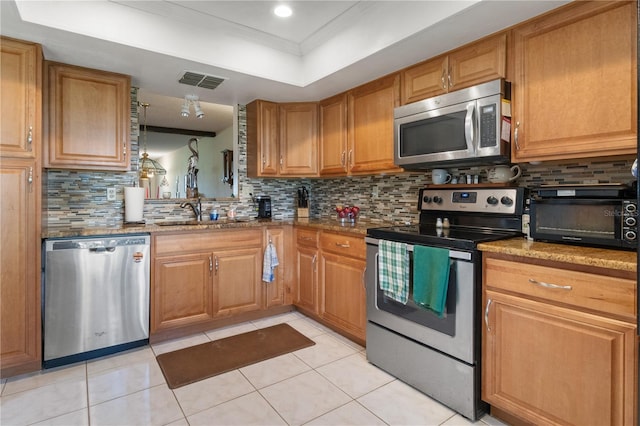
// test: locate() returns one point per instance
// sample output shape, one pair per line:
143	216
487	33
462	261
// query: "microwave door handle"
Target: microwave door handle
469	127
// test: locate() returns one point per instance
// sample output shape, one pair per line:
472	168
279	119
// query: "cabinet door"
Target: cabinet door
182	291
425	80
550	365
88	118
575	83
333	136
237	281
307	274
299	139
262	139
343	293
20	344
478	62
20	98
274	291
370	132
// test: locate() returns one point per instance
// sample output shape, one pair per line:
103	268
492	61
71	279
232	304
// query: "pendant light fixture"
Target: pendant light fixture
148	167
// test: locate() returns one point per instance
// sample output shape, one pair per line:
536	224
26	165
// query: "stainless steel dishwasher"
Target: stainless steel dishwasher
95	297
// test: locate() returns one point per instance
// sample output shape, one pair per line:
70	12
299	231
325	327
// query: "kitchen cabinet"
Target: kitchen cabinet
282	139
559	342
275	290
342	282
575	81
20	342
306	294
21	98
333	136
203	278
20	220
370	126
88	119
477	62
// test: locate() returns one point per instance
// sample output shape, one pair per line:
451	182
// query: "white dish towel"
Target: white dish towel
269	262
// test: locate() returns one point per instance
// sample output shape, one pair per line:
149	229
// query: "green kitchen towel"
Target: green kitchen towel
430	277
393	270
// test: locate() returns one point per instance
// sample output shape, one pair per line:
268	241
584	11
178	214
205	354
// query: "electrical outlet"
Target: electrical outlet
111	194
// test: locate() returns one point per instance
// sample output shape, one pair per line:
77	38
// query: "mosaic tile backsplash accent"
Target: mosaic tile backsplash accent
78	198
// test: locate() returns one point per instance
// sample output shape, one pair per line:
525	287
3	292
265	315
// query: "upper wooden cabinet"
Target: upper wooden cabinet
333	135
282	139
474	63
20	98
88	119
370	126
575	91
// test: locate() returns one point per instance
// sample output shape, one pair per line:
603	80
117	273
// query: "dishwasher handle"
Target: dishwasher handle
102	249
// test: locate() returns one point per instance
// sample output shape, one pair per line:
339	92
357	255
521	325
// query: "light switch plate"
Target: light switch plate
111	194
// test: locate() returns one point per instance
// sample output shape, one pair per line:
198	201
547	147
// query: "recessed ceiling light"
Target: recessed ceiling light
282	11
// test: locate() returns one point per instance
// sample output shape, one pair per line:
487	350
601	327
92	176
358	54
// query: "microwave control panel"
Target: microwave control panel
488	130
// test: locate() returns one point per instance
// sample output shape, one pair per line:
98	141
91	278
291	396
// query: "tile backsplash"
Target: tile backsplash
78	198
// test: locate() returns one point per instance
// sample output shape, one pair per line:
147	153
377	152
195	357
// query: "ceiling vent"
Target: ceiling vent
200	80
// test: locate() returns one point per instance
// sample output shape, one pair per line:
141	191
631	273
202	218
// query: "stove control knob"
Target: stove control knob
491	200
630	235
630	221
437	200
426	199
506	201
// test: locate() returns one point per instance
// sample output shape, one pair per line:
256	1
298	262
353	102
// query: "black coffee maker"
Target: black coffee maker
264	206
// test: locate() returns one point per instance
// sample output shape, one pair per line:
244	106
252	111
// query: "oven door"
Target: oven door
453	333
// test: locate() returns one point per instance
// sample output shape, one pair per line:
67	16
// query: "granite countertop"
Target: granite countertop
359	227
622	260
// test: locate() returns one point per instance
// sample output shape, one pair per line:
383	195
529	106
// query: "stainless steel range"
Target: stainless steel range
438	352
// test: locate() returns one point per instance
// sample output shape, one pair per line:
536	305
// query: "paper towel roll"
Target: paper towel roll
133	204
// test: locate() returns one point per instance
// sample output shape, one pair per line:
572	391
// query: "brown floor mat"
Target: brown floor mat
195	363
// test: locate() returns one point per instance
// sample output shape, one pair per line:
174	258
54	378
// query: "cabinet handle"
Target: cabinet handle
313	261
350	159
264	161
30	138
281	161
442	79
364	279
30	177
515	135
344	245
342	157
486	314
124	149
549	285
217	265
449	78
210	264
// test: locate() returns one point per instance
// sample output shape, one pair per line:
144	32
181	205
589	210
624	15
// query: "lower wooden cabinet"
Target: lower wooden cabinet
274	292
203	278
552	354
330	280
306	294
20	327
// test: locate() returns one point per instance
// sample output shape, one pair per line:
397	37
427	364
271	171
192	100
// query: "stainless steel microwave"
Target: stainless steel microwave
467	127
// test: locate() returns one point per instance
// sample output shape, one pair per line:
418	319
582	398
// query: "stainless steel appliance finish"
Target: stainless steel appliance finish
464	127
95	296
440	355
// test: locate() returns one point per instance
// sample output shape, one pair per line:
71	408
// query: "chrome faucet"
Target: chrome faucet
196	207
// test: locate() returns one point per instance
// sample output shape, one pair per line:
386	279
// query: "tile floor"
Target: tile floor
330	383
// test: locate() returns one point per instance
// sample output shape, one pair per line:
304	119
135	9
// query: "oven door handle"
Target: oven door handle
453	254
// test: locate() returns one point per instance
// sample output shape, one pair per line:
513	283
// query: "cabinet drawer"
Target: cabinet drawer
189	242
347	245
307	237
612	296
